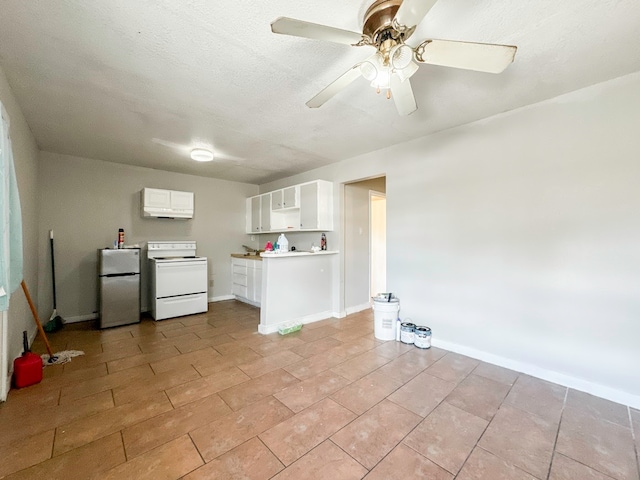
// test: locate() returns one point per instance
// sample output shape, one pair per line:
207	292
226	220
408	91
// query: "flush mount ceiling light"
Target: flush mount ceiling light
201	155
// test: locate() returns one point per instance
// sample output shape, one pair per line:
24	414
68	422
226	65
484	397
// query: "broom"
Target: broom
50	359
55	322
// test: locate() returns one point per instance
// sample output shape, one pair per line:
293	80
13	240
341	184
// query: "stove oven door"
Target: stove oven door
180	288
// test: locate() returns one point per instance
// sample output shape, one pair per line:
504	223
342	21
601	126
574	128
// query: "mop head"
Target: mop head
60	357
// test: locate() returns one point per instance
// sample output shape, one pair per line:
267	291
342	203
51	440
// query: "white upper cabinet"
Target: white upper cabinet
308	206
285	198
316	206
265	212
156	202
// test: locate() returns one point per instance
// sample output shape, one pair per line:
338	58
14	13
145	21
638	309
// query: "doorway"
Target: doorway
364	242
378	242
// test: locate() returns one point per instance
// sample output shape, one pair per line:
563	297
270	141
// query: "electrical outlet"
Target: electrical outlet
211	283
253	238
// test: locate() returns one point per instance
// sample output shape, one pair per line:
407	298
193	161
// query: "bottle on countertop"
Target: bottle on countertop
121	238
323	242
283	244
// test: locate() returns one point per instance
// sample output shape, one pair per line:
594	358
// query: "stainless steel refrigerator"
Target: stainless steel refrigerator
119	286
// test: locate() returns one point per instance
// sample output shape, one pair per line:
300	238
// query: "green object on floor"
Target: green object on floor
284	329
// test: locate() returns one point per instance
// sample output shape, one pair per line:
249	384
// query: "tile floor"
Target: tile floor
205	396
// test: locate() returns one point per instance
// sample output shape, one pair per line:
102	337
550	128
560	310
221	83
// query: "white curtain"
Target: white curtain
10	218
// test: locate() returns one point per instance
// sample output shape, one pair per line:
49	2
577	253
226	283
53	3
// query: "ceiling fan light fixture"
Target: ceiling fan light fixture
407	72
201	155
368	70
401	56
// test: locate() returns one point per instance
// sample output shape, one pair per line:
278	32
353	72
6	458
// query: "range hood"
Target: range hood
158	203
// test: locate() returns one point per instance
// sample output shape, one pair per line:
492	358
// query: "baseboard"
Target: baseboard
596	389
316	317
221	298
358	308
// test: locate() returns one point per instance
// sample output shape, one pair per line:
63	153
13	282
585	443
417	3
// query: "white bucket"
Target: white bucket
385	315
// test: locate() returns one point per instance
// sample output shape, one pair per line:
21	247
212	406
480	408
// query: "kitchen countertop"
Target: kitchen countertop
297	253
252	256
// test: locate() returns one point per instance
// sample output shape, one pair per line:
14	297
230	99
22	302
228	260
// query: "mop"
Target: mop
49	359
55	322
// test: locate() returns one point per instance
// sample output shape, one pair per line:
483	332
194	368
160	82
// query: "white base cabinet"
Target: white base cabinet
246	280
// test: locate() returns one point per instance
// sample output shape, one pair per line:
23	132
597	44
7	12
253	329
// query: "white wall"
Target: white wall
516	238
85	202
25	156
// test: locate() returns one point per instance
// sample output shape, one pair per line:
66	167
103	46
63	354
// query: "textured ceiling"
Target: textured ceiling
142	82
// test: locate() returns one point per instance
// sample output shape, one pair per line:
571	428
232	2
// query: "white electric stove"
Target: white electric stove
178	279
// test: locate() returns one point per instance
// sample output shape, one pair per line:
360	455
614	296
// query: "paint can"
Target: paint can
422	337
406	332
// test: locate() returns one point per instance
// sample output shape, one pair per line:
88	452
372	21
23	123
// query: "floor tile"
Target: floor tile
453	367
89	429
172	460
228	432
205	386
304	394
370	437
601	445
478	395
360	365
151	433
522	439
447	436
257	388
404	462
325	461
88	461
138	391
409	364
564	468
316	364
596	407
249	461
141	359
295	436
483	465
199	357
26	452
89	387
360	396
267	364
314	348
496	373
537	396
422	394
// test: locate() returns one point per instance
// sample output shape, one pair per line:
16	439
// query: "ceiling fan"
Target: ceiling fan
388	24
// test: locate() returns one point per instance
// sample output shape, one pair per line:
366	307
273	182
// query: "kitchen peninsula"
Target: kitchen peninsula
298	287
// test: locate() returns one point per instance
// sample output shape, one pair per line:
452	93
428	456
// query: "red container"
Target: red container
27	370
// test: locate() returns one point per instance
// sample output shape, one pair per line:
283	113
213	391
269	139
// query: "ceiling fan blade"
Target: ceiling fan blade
482	57
299	28
411	12
341	82
402	95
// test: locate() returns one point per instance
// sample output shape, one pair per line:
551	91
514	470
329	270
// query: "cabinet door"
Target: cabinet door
276	200
156	198
290	197
309	206
181	200
255	215
265	215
